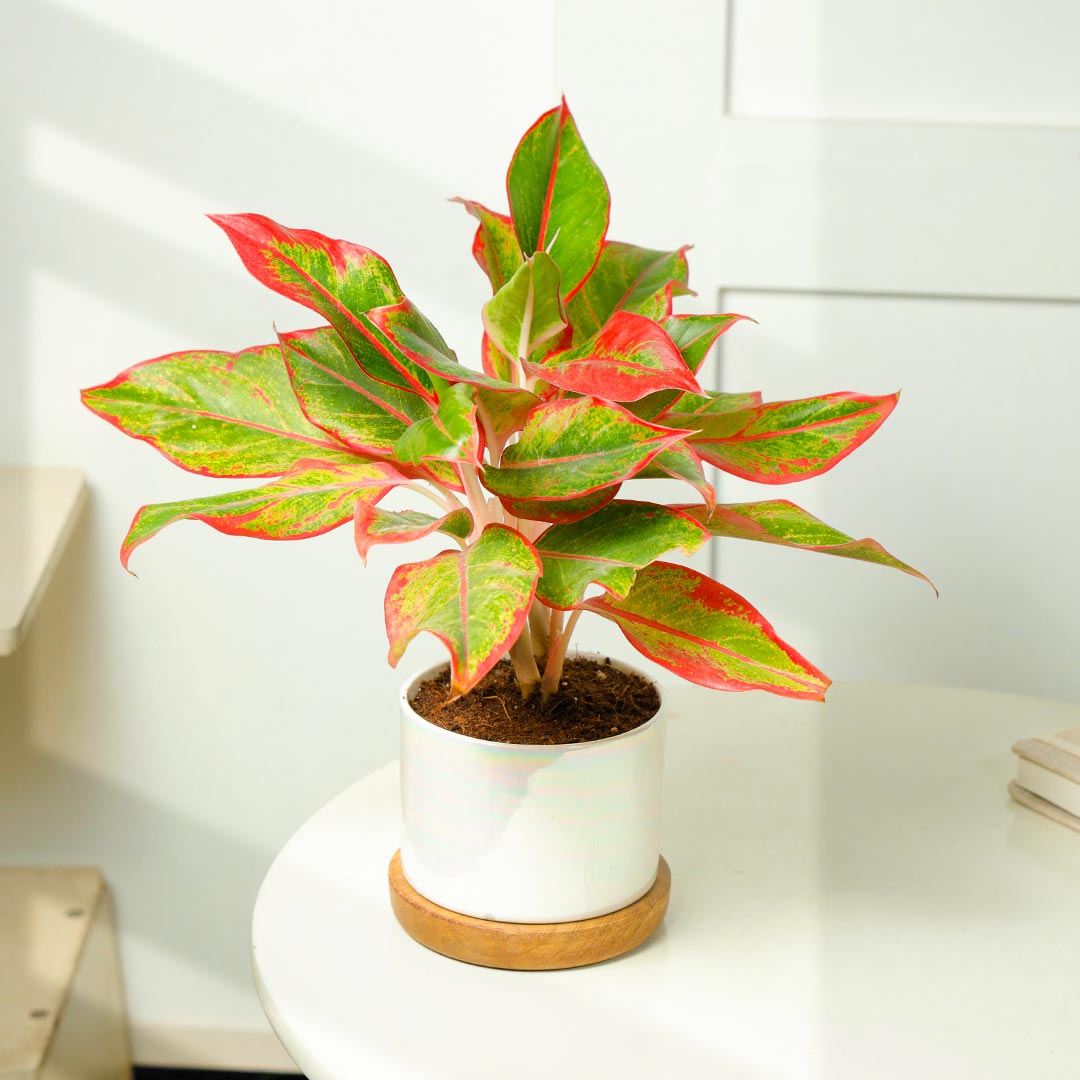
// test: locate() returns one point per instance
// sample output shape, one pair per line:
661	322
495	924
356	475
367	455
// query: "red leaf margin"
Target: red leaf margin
564	111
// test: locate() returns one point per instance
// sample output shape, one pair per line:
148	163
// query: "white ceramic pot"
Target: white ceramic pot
524	833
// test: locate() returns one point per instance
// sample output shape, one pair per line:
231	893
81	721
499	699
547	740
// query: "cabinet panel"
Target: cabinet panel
970	210
975	61
971	480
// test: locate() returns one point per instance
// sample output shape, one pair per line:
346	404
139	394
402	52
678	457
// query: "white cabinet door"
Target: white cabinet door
893	195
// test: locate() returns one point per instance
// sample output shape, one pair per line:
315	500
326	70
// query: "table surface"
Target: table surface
854	895
39	506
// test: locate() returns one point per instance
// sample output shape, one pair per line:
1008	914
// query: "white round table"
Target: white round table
854	895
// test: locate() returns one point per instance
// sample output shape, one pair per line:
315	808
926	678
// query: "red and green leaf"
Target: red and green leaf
559	201
695	335
560	511
495	247
629	358
340	280
628	278
310	499
608	548
778	521
496	364
308	267
337	395
527	312
659	405
575	447
707	634
215	413
475	601
506	413
403	327
681	462
372	525
785	441
714	402
452	434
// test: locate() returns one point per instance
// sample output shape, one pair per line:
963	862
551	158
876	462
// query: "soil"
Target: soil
595	701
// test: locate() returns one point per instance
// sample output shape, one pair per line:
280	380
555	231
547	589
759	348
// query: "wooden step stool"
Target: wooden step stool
61	1004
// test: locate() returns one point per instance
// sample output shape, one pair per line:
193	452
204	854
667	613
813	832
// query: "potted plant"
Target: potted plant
587	382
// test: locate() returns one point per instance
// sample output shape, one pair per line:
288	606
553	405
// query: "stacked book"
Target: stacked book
1048	776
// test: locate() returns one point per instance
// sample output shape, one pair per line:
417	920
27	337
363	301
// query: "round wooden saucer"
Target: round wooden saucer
527	946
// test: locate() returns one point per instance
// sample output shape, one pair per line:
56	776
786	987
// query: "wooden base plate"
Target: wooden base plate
528	946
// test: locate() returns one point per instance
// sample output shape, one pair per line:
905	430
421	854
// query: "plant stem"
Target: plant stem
560	640
441	496
477	500
525	669
493	445
539	623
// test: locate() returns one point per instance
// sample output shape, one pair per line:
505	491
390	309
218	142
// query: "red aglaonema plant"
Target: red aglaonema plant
589	382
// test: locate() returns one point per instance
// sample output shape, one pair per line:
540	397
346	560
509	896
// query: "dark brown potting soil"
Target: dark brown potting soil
595	701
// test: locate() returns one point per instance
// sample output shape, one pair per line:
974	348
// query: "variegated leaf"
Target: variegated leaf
338	396
308	267
312	498
785	441
608	548
680	462
475	601
214	413
527	312
452	434
707	634
372	525
714	402
575	447
496	364
629	358
695	335
340	280
628	278
657	406
495	247
778	521
404	327
507	413
560	510
559	201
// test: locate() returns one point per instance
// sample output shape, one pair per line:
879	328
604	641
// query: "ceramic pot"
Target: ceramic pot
525	833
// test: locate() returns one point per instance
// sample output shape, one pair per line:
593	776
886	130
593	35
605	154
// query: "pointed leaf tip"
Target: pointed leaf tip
559	200
782	442
311	499
778	521
708	634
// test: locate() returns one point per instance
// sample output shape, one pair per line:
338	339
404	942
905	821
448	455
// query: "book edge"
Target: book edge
1040	805
1049	757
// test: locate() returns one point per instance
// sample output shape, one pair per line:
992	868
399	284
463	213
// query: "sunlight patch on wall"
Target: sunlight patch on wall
97	178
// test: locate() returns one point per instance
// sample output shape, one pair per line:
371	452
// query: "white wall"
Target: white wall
177	728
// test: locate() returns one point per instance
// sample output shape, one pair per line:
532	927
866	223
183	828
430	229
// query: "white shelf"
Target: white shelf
39	506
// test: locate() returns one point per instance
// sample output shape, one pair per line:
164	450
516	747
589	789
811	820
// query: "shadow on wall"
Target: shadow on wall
71	75
56	811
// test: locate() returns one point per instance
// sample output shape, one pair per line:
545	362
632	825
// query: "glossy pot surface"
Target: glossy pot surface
527	833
